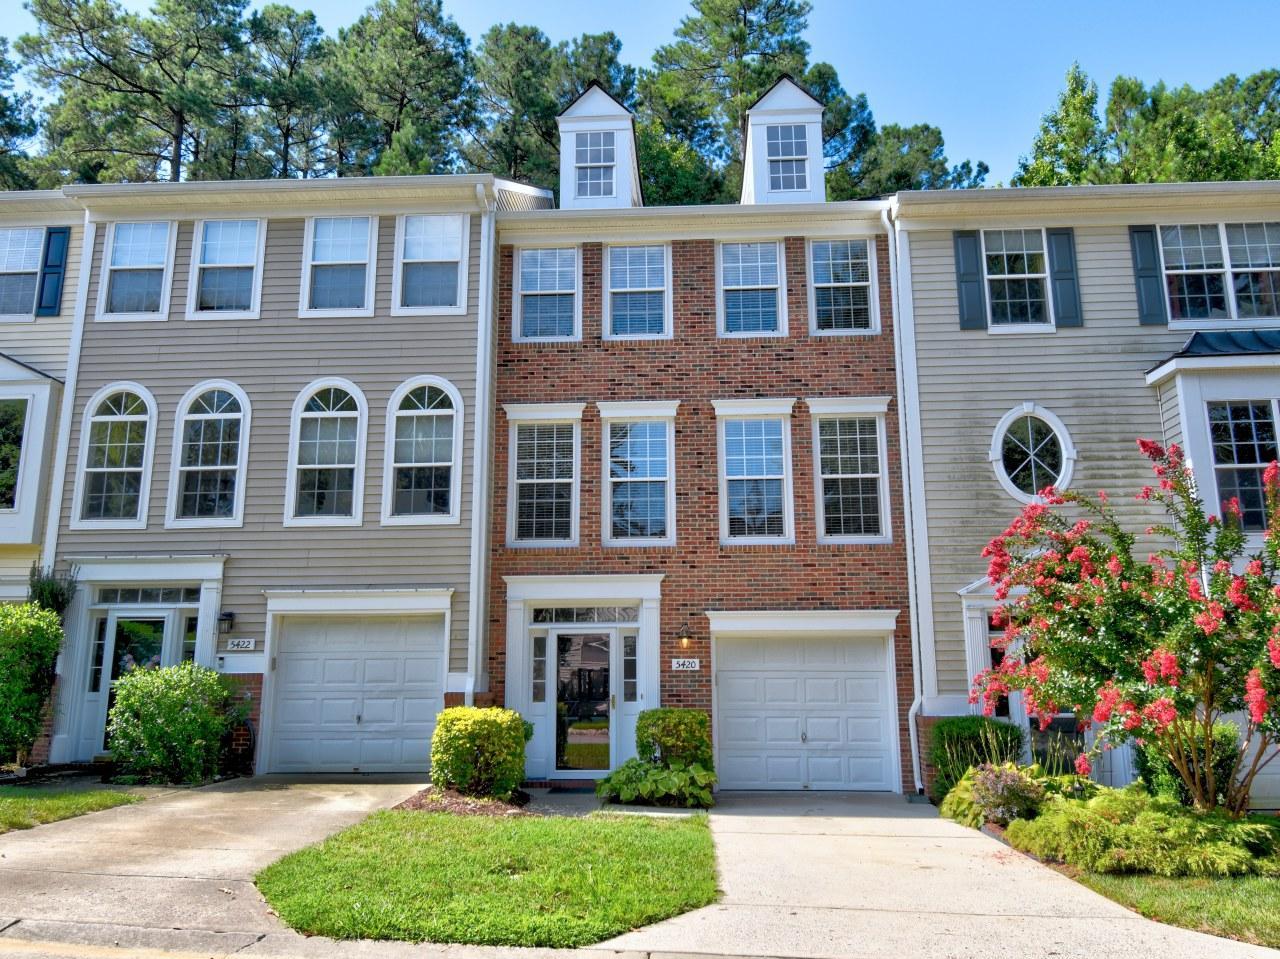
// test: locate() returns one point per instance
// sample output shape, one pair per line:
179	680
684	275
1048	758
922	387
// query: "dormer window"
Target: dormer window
788	157
594	162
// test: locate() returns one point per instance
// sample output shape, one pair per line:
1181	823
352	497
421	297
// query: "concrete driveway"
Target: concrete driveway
177	869
846	876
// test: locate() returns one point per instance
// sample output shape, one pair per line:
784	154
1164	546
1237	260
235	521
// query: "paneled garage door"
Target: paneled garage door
804	713
356	693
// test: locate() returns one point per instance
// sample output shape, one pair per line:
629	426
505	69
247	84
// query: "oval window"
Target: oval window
1032	455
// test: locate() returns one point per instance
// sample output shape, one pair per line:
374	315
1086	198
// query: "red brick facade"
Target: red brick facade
697	367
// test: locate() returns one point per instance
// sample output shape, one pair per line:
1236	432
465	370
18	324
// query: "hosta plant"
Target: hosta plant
1153	648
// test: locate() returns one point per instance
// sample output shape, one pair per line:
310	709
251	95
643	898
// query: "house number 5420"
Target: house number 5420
686	665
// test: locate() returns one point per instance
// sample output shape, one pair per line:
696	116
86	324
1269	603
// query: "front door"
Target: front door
585	700
123	642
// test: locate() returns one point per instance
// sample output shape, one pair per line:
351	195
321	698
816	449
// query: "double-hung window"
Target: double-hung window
1222	271
849	453
20	251
594	162
546	301
543	482
326	476
210	446
755	471
639	463
639	298
843	297
752	298
338	270
115	456
136	281
430	274
1017	276
424	439
14	414
1242	434
788	157
226	269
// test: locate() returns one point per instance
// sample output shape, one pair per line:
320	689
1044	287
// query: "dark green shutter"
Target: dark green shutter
53	270
1063	277
1147	276
970	285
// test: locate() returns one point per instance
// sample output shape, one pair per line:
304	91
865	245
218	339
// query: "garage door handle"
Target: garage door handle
804	737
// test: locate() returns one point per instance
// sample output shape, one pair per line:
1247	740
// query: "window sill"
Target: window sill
442	519
757	541
638	543
323	521
543	543
363	312
855	540
772	335
872	331
632	338
214	316
88	524
236	522
547	339
130	317
1026	329
1259	323
460	310
17	317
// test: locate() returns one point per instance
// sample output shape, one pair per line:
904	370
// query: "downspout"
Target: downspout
480	499
899	336
58	477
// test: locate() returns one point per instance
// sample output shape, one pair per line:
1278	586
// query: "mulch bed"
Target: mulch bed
447	800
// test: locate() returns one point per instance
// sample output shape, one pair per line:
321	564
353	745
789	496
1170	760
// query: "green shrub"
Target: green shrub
29	641
1129	831
959	806
1156	769
1005	792
647	783
668	736
170	724
479	751
959	742
50	590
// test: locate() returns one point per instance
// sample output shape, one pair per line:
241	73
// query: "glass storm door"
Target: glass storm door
585	699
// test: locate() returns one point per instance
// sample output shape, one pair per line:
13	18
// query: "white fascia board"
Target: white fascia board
827	405
606	588
146	569
1210	364
538	412
647	410
790	622
367	601
767	407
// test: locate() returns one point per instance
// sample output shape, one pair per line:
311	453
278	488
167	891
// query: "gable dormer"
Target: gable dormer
597	153
782	159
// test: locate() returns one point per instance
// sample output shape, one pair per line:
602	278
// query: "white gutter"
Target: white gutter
901	331
57	478
482	419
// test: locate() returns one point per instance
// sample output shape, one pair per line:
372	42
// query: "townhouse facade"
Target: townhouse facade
372	447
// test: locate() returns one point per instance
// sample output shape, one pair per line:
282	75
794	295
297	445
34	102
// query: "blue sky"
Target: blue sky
984	73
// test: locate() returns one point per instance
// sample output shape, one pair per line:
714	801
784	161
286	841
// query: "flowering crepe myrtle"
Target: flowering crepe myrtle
1154	649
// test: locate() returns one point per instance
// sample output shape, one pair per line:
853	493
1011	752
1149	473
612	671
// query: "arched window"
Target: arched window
211	445
116	456
1031	450
326	479
424	439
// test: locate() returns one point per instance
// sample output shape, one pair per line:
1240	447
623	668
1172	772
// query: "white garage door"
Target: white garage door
804	713
356	694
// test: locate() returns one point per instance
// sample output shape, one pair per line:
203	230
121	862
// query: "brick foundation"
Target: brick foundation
246	689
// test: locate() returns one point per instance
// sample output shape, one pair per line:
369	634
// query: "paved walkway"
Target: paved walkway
845	877
831	877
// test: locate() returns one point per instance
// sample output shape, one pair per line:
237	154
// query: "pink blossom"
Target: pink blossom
1210	620
1102	497
1151	449
1161	665
1160	714
1273	649
1254	568
1271	477
1108	697
1114	566
1083	766
1255	696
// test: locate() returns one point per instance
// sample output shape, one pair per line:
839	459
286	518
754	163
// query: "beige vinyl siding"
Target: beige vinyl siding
44	342
272	359
1091	377
1170	413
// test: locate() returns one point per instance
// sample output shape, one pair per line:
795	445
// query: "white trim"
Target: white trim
800	622
1227	271
854	405
873	286
660	411
519	415
607	291
1006	329
782	330
170	568
833	410
994	454
58	474
19	523
608	588
761	407
1207	364
727	410
370	602
463	261
370	269
148	456
295	432
104	280
611	167
453	517
543	412
193	278
30	315
517	295
236	519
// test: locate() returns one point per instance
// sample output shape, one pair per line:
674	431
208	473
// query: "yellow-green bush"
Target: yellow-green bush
29	642
671	736
479	751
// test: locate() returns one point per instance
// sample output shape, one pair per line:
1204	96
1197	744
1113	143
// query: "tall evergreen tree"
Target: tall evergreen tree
288	46
17	125
1070	145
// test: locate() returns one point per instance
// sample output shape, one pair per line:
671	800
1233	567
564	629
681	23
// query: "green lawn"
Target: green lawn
518	881
1246	908
22	807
